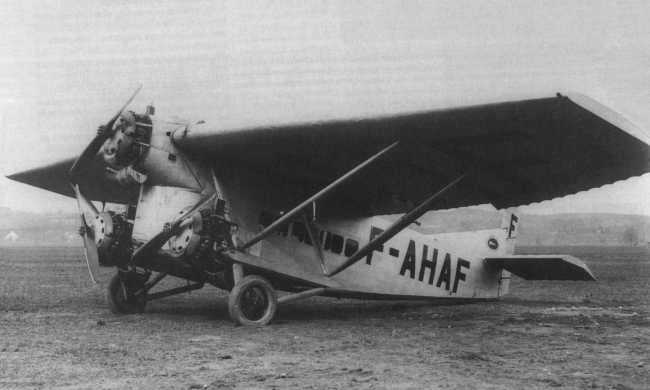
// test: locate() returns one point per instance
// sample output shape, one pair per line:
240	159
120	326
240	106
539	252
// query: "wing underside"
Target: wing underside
513	153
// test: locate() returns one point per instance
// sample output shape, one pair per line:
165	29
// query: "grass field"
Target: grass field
56	332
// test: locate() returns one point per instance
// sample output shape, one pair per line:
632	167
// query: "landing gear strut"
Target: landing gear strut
128	291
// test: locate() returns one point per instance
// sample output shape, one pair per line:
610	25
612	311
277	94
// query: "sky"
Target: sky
66	67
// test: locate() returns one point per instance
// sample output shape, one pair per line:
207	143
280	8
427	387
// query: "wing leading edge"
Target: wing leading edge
514	153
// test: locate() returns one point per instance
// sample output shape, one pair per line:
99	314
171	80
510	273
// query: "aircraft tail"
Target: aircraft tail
535	267
488	240
495	242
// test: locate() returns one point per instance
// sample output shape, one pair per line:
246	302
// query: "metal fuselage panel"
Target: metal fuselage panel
410	264
452	266
174	183
167	165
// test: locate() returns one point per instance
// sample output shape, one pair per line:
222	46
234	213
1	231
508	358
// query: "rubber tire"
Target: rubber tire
118	302
235	301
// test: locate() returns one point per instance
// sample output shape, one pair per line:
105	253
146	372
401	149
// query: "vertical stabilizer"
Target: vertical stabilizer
510	225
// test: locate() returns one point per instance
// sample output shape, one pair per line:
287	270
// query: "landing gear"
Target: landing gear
252	301
124	293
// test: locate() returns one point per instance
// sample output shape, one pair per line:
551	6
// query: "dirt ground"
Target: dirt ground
56	332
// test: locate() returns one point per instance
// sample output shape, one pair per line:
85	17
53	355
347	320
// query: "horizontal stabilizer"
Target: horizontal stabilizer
543	267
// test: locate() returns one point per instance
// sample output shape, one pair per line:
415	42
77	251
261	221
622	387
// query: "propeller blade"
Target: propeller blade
94	145
157	241
91	253
86	207
117	114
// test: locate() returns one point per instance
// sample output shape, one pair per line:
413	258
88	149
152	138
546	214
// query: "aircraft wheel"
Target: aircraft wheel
252	301
120	295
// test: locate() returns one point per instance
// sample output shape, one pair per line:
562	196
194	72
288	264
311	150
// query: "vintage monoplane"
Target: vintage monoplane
302	207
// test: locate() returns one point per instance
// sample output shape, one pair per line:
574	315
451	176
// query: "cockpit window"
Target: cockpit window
300	232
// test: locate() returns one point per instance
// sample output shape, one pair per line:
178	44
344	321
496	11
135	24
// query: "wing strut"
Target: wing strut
169	230
313	236
395	228
272	227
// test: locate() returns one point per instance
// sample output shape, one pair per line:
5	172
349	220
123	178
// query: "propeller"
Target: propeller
88	212
171	229
94	145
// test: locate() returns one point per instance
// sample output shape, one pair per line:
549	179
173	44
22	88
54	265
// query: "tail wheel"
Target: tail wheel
121	295
252	301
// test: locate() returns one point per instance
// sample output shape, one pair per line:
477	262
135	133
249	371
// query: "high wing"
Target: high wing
513	153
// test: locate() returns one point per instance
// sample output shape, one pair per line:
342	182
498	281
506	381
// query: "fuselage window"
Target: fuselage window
351	246
329	241
334	243
300	232
283	230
